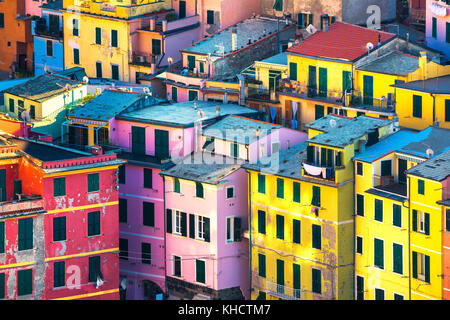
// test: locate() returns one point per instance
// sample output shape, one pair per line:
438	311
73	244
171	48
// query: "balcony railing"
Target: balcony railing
388	184
282	291
258	93
144	59
292	87
40	28
24	203
355	99
317	171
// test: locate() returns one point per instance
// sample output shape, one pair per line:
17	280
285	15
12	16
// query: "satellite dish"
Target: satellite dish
332	123
67	86
146	90
170	60
369	46
430	153
25	115
311	29
85	79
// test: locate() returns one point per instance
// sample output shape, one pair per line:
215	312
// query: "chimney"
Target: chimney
195	105
234	39
325	22
423	64
217	111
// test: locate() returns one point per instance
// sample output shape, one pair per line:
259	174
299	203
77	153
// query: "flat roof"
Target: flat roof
183	113
436	168
280	58
436	139
395	63
440	85
252	28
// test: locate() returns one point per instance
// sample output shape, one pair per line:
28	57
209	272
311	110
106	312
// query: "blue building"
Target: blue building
48	39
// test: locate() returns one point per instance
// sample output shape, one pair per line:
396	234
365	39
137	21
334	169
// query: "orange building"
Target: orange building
16	40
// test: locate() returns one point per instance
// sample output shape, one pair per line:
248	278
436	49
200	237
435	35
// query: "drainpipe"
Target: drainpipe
409	235
165	228
434	108
354	235
250	231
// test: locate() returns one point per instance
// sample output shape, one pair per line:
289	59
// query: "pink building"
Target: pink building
32	7
206	203
438	26
150	138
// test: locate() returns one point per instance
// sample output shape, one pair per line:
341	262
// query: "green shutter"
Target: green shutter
359	245
379	294
198	190
323	82
434	27
59	274
192	95
319	111
192	226
316	236
2	286
168	221
234	149
2	237
414	220
339	158
280	272
202	67
98	67
368	90
76	56
280	188
296	231
148	178
183	224
379	210
414	264
316	281
379	253
417	106
207	229
94	223
300	21
296	279
296	192
146	253
396	215
94	268
316	196
138	140
148	218
174	94
114	38
115	72
360	205
278	6
398	258
261	183
191	62
427	269
121	174
293	71
261	222
447	104
386	168
93	182
311	19
25	234
421	186
200	271
329	158
359	288
59	187
312	81
12	109
447	31
161	144
280	227
98	36
75	23
24	282
59	228
427	223
176	185
262	265
310	154
2	20
123	210
237	229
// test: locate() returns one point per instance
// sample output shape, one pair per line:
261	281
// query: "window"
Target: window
24	282
447	221
156	47
49	46
261	222
148	214
296	192
359	245
32	111
421	187
99	71
296	231
421	266
94	268
417	106
396	215
11	105
210	17
359	288
174	94
98	35
176	185
59	187
59	228
379	210
280	227
261	183
115	72
2	20
123	210
233	232
75	27
296	279
202	67
180	223
162	144
280	276
2	237
379	294
280	188
316	236
421	222
434	27
199	190
261	265
386	168
114	39
397	251
25	234
360	205
230	192
93	182
447	101
200	275
316	281
146	253
200	234
234	150
176	266
76	56
398	296
94	223
359	169
148	178
379	253
2	286
278	6
59	274
293	71
316	196
447	29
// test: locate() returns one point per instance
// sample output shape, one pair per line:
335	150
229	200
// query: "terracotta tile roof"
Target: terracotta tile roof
342	41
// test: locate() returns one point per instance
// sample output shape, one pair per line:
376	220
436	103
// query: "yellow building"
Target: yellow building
301	213
424	103
392	234
98	36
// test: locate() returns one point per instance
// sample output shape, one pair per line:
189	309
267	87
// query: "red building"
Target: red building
58	222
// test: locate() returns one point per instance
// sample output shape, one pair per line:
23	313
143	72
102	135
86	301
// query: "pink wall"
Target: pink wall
32	7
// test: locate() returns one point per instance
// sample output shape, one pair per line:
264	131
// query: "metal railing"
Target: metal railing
353	98
282	291
309	91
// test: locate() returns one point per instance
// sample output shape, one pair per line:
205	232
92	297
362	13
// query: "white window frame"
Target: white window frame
421	266
420	221
234	194
230	220
177	222
200	227
173	266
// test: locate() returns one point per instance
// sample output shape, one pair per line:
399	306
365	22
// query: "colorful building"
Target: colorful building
438	26
58	222
48	39
301	220
16	40
424	103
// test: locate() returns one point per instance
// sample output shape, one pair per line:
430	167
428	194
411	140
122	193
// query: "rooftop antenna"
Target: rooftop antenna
86	79
332	123
221	50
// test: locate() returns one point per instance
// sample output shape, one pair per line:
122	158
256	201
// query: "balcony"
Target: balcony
258	93
296	89
354	99
23	204
282	291
418	16
317	171
143	59
41	29
389	185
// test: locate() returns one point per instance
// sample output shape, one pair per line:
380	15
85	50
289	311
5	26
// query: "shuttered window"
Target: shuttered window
176	266
296	231
434	27
261	265
210	17
59	228
379	253
316	196
261	183
379	294
174	91
93	182
316	236
114	39
296	192
280	227
176	185
359	288
414	220
75	26
2	237
25	234
421	187
94	268
280	275
234	149
148	178
76	56
296	281
319	112
346	80
98	35
123	210
293	71
280	188
162	144
11	105
59	187
192	95
199	190
360	205
59	274
99	70
156	47
2	286
191	62
146	253
278	5
261	222
200	271
122	174
148	214
114	72
447	101
359	245
417	106
397	251
379	210
359	169
447	29
316	281
138	140
49	46
94	223
168	221
396	215
24	282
